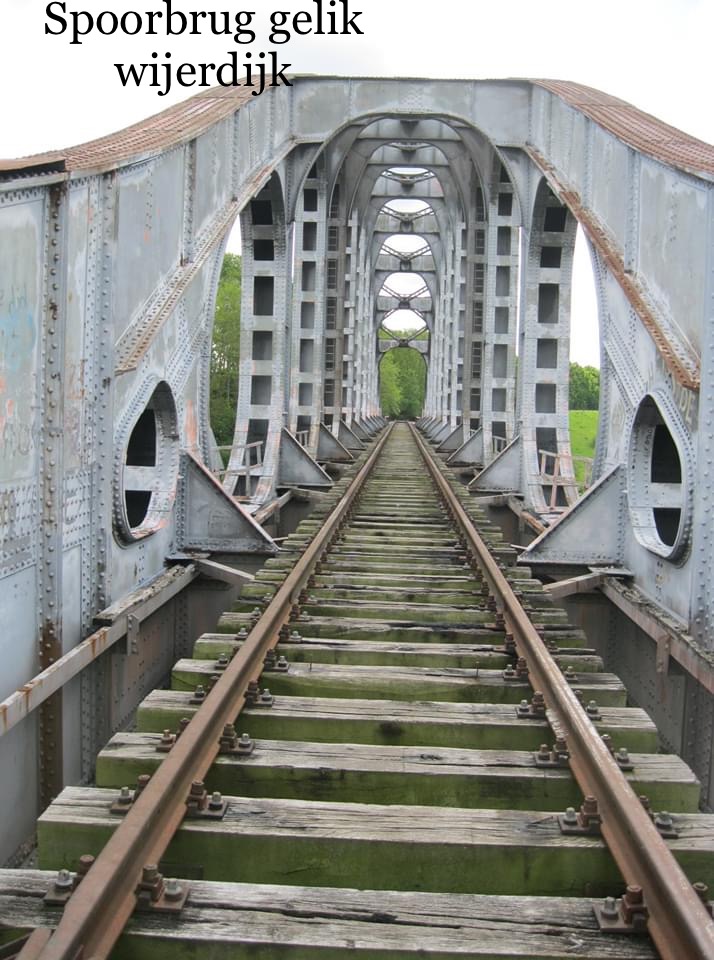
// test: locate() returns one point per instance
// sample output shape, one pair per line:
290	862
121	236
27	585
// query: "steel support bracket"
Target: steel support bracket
619	916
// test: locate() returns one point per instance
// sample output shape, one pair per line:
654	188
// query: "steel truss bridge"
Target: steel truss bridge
356	198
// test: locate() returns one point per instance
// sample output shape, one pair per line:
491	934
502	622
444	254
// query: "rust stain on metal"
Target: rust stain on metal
636	128
681	362
179	124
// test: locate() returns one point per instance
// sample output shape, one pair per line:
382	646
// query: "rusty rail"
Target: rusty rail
100	907
678	922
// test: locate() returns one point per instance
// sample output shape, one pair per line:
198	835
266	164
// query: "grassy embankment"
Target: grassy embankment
583	431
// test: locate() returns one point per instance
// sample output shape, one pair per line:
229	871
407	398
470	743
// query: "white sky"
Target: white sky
653	53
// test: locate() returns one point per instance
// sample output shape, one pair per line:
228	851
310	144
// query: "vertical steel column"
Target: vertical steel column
52	488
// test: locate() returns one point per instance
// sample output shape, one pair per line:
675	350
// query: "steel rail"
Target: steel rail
100	907
679	924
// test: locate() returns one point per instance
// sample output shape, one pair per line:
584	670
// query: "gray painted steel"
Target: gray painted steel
109	263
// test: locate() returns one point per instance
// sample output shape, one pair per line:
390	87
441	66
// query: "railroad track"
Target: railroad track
385	751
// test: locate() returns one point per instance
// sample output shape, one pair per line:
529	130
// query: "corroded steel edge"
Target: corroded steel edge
103	903
636	128
679	358
679	923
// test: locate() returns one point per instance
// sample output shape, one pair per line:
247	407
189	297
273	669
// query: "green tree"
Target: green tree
389	393
225	351
402	375
584	387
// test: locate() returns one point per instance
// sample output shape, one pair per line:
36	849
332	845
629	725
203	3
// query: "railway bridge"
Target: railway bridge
452	203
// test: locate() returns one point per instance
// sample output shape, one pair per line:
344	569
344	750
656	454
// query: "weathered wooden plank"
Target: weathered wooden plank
421	613
397	722
371	846
236	921
364	773
400	683
396	631
211	646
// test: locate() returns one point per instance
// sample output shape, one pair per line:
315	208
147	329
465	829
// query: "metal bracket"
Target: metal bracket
628	914
200	807
156	895
585	822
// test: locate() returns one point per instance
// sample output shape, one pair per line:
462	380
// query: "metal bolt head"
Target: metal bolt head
634	895
216	801
200	692
64	880
702	891
544	752
173	890
242	634
295	637
590	805
85	862
622	755
592	707
197	788
245	739
150	873
609	908
229	731
125	796
664	821
570	817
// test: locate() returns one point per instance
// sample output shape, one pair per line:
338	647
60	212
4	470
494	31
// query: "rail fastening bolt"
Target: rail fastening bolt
150	873
634	895
64	881
216	801
609	908
664	821
702	891
125	796
570	817
173	890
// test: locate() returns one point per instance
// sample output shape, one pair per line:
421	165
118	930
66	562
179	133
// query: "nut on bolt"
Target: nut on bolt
126	797
64	881
173	891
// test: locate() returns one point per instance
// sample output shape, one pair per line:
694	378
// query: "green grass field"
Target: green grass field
583	432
